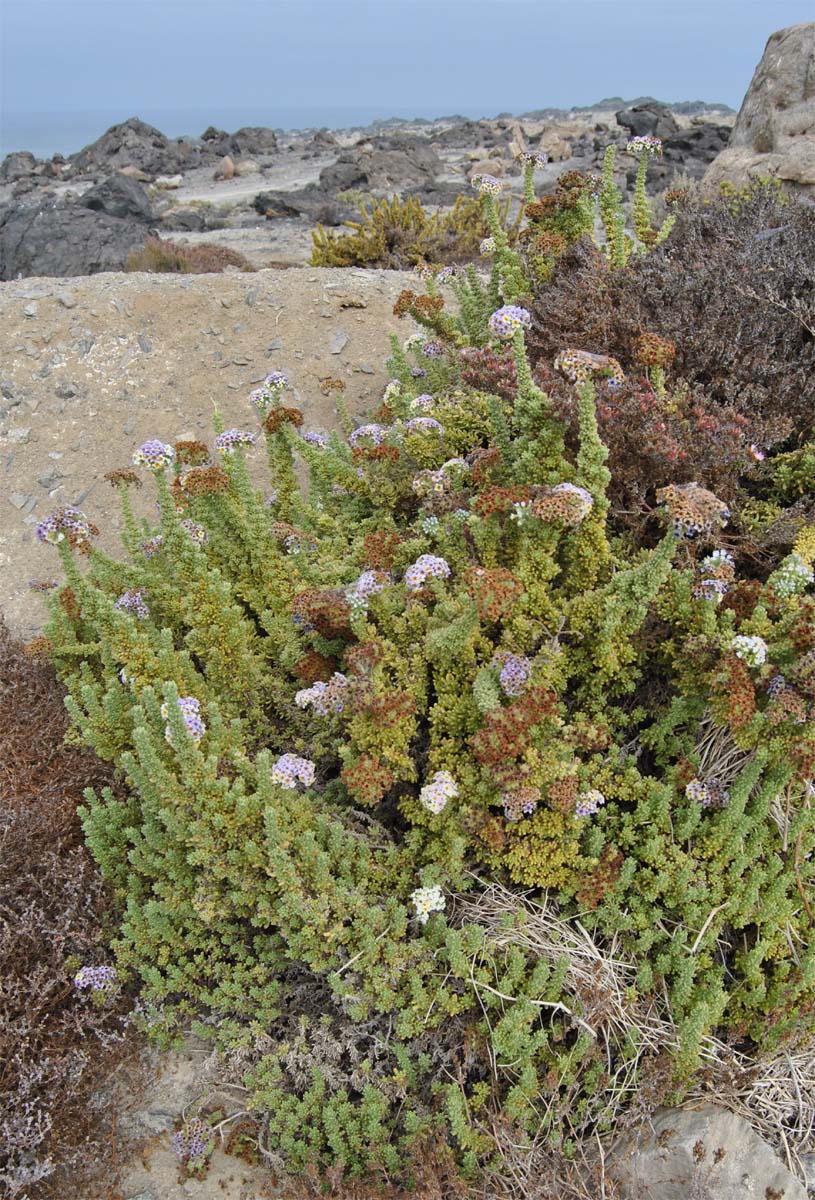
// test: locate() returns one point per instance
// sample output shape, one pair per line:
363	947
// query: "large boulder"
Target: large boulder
65	239
652	119
18	165
134	143
706	1152
387	164
119	196
251	141
774	132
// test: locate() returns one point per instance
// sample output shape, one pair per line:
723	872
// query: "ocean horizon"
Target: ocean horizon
65	132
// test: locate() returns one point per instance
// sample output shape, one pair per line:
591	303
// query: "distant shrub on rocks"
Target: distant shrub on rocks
168	257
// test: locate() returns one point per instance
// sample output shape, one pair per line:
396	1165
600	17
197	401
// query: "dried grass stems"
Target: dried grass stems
775	1093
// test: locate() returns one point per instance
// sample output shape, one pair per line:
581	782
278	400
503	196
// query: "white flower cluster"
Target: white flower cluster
434	795
753	650
427	900
792	577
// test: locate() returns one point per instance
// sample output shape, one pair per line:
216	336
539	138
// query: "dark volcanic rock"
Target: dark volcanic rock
17	166
64	239
643	119
694	148
393	163
249	142
136	144
119	197
311	202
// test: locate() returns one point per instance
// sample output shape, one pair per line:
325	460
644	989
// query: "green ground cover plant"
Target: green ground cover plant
468	816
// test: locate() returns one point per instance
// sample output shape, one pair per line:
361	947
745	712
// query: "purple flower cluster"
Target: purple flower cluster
64	521
709	794
532	158
515	672
487	185
228	441
269	392
588	803
197	532
432	350
151	546
424	425
154	454
99	980
777	686
427	566
434	795
133	602
646	144
508	320
487	246
711	589
290	769
422	403
194	1142
370	583
323	697
316	439
191	712
376	433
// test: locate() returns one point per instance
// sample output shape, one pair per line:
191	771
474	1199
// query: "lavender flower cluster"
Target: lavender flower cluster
290	769
645	144
155	455
424	425
422	403
506	321
588	803
191	713
377	434
101	981
229	441
710	794
427	566
197	532
434	795
370	583
133	602
487	185
194	1143
323	697
67	520
314	438
514	674
269	392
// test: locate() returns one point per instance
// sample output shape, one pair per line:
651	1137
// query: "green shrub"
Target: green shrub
399	234
357	723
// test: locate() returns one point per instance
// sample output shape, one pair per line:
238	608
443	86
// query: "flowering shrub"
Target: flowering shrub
496	689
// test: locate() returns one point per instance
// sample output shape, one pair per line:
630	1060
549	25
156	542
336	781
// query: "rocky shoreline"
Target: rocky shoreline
261	192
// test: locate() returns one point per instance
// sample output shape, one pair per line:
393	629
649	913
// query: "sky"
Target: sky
269	62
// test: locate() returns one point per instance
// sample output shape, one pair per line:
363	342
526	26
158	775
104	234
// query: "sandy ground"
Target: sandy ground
92	367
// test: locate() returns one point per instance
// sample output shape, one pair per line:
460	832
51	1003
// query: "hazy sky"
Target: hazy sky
395	56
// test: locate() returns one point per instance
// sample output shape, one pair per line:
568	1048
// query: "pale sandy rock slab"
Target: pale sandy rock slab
709	1153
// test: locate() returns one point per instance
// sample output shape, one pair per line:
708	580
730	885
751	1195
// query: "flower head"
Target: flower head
588	803
194	1143
151	546
710	793
508	320
427	900
191	713
424	425
792	576
376	433
100	981
133	602
644	145
414	342
422	403
269	392
229	441
197	532
426	566
323	697
432	350
434	795
290	769
532	158
752	650
314	438
66	522
515	670
154	454
487	185
487	246
370	583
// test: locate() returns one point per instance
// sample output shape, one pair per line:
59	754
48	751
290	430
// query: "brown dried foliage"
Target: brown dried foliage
505	732
57	1052
279	417
380	548
167	257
